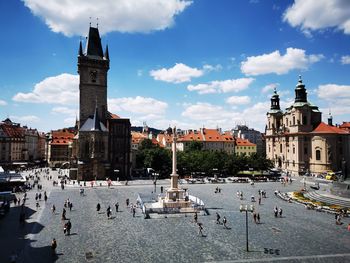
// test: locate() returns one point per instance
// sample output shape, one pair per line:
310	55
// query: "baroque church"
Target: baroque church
102	145
298	142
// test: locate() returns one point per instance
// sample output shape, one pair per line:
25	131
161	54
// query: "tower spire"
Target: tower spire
80	48
106	53
300	91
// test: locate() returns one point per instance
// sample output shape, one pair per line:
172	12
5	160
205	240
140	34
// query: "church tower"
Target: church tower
93	66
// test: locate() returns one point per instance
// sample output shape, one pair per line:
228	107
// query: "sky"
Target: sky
192	64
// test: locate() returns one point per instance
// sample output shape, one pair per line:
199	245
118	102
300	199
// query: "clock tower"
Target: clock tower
93	66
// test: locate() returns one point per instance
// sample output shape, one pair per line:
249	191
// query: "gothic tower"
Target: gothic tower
93	66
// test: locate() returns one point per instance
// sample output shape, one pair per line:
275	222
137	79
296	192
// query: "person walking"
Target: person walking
218	218
53	209
195	217
224	221
98	207
254	217
69	227
200	229
53	246
70	205
133	211
259	200
116	207
258	218
109	212
276	211
127	202
45	197
280	212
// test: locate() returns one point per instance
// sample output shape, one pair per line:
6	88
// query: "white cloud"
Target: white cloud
3	103
269	87
205	111
317	15
279	64
138	105
209	68
72	17
333	91
238	100
345	60
69	121
224	86
64	110
177	74
27	119
61	89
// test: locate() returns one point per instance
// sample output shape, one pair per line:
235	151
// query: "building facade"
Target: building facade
59	147
298	141
252	135
101	147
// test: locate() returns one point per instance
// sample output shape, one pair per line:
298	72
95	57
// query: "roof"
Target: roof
94	124
12	131
93	44
137	137
345	126
325	128
244	142
61	137
111	115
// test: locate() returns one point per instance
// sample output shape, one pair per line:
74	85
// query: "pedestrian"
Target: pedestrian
258	218
200	229
127	202
224	221
280	212
254	217
37	205
98	207
36	197
218	218
70	206
259	200
64	214
116	207
109	212
69	227
276	211
133	211
53	246
39	196
195	217
53	209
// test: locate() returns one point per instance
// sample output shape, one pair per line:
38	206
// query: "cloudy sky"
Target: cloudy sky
176	62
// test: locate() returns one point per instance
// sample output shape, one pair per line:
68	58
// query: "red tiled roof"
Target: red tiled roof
345	126
62	137
13	131
324	128
244	142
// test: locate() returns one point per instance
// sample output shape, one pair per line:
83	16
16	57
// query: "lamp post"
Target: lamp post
246	209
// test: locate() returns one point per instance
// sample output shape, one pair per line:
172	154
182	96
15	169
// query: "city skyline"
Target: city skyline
184	63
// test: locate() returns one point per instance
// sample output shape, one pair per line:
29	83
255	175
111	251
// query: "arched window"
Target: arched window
293	120
280	148
318	155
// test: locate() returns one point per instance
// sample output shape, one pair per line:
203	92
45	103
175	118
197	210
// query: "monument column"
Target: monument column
174	175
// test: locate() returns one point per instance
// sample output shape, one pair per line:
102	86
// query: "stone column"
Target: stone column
174	175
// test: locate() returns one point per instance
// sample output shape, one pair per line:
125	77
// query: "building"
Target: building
298	141
245	147
101	147
59	147
253	136
12	142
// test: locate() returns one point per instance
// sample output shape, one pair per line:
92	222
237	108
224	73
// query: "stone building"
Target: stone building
59	147
298	141
101	147
252	135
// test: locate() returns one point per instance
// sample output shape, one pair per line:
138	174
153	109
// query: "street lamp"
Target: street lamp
246	209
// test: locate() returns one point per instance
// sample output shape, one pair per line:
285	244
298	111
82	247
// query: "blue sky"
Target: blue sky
176	62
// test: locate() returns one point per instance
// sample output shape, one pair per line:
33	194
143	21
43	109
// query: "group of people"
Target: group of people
277	211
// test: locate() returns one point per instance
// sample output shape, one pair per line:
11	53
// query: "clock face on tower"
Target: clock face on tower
93	75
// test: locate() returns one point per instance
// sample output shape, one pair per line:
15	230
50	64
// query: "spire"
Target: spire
300	91
80	49
275	101
106	53
96	121
93	43
330	118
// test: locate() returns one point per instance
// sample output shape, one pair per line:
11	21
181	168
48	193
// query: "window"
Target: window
318	155
293	120
305	150
293	163
304	120
281	148
293	150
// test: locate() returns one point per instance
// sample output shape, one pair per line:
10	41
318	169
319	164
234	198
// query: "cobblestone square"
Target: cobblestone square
299	236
